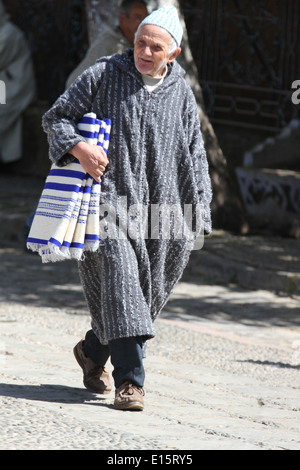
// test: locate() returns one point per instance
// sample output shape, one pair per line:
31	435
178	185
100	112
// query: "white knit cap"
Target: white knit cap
167	18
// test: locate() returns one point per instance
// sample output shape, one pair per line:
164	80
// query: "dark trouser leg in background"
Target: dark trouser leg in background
92	357
96	351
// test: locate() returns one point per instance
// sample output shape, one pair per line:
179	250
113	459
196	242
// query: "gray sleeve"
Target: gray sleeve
60	122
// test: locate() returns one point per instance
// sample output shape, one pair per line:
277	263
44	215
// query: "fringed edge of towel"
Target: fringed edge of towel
51	253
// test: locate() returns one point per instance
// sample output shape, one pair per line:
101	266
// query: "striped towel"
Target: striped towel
66	222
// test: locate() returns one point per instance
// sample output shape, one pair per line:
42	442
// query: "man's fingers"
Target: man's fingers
92	158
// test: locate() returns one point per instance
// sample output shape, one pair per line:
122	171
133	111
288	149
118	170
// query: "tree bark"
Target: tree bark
227	209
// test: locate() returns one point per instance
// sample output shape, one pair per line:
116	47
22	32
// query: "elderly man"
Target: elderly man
114	40
156	156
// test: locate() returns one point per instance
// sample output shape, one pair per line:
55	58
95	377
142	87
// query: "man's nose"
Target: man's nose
147	51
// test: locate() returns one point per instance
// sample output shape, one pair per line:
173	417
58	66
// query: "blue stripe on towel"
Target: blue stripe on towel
62	187
72	173
92	237
37	240
87	120
77	245
55	242
88	134
85	189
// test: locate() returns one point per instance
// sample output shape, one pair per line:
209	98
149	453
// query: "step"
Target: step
252	262
271	199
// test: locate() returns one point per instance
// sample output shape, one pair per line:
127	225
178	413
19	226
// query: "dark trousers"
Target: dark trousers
126	355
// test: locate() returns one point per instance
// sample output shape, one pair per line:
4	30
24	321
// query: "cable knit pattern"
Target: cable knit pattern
156	156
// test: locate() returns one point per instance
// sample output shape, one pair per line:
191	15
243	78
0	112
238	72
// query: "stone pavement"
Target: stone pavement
222	372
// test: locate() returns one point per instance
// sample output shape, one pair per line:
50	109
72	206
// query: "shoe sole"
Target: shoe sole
89	388
134	406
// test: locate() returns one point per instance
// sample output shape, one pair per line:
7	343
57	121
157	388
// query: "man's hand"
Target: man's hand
92	158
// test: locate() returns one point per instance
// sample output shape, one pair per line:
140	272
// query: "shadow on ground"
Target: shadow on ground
51	394
25	280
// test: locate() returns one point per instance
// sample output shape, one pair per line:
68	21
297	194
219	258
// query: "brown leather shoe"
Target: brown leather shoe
129	397
95	378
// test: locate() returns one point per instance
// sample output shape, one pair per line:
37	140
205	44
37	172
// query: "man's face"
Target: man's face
129	24
152	50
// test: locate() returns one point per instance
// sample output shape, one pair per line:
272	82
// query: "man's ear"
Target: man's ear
174	55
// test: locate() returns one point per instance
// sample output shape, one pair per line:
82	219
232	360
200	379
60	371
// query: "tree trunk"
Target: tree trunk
227	209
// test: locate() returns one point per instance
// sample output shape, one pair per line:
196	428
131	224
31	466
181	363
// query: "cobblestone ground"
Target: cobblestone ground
222	373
